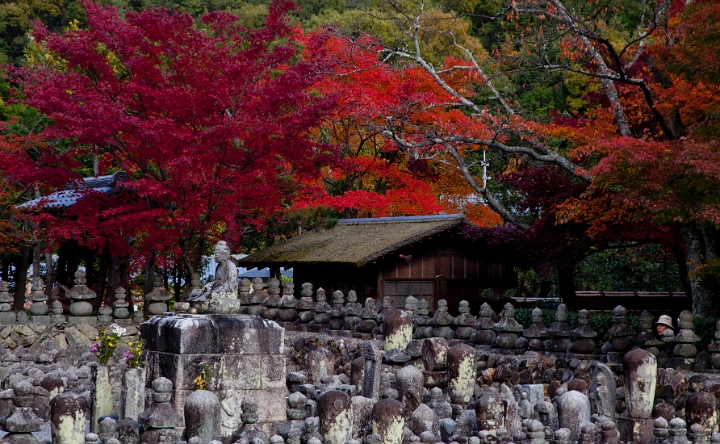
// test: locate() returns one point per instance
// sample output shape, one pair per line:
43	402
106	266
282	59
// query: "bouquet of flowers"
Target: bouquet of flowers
132	356
107	342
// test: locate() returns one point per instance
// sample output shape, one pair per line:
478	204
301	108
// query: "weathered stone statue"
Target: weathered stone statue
221	295
229	418
602	393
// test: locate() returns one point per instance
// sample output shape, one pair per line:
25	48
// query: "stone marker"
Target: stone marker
621	333
640	374
296	415
490	411
351	311
22	421
160	419
686	338
442	321
701	408
583	335
361	414
368	318
410	385
80	294
461	373
133	392
507	329
573	410
335	410
39	308
465	322
6	299
249	432
536	333
121	313
108	429
229	414
67	418
678	431
602	392
560	331
102	395
321	308
202	415
388	421
397	329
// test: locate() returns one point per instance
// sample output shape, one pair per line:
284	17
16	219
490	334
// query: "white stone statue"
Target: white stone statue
220	295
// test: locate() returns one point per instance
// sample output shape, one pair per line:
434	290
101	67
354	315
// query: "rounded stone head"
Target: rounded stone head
537	316
509	311
80	277
442	305
411	303
221	251
464	307
227	389
485	310
562	313
37	284
352	296
387	303
249	405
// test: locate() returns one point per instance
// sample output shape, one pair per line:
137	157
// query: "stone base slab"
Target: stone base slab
77	320
47	320
635	430
7	317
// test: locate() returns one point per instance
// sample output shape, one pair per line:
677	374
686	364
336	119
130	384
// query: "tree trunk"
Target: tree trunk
149	279
113	278
681	260
700	246
102	276
21	269
566	284
149	274
48	273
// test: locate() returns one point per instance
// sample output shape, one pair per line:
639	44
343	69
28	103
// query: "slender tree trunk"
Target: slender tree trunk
48	273
36	259
149	279
683	270
21	269
113	277
102	277
566	284
700	247
149	273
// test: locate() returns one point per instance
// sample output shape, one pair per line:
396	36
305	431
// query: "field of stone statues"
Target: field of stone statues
304	370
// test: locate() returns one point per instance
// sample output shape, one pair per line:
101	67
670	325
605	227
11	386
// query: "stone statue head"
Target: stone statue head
221	251
227	389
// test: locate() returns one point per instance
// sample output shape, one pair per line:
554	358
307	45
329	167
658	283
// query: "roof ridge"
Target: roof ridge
401	219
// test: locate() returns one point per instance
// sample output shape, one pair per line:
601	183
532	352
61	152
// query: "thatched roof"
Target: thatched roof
353	241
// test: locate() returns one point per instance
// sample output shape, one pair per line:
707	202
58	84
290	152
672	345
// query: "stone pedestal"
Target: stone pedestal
244	349
635	430
77	320
47	320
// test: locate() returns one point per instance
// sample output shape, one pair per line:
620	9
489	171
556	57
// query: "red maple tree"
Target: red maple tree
210	121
